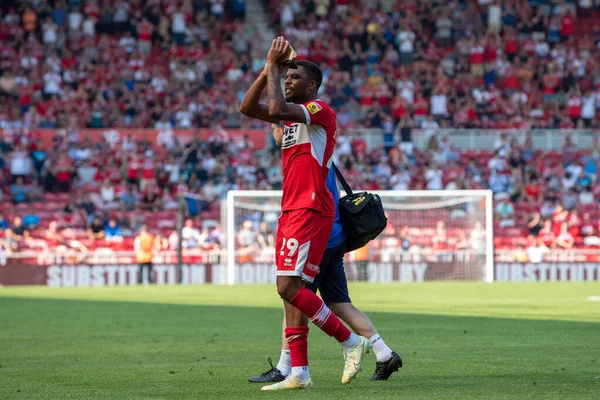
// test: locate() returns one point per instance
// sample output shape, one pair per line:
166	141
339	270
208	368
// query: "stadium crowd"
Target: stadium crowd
185	64
158	63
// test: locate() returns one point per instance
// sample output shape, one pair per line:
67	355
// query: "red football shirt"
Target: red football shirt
307	151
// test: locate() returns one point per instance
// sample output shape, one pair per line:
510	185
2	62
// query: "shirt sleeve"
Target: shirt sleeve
317	113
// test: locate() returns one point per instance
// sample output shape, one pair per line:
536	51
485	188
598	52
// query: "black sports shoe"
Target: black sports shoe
272	375
384	369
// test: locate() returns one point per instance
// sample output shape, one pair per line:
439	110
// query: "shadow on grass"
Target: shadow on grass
100	349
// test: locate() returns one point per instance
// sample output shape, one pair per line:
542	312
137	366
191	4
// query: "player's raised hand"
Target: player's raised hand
279	52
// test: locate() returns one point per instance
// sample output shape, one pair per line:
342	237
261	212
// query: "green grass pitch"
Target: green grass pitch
458	341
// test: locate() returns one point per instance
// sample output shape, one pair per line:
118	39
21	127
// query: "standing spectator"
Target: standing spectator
20	164
190	235
144	248
144	36
178	26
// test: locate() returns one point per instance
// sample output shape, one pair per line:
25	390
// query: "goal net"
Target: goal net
431	235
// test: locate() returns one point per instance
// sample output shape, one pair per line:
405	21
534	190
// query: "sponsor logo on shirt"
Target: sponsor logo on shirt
290	136
313	107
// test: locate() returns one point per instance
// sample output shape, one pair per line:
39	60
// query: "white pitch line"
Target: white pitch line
594	298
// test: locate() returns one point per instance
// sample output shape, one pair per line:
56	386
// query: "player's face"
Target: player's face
296	85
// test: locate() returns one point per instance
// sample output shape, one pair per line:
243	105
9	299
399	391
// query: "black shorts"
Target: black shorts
331	279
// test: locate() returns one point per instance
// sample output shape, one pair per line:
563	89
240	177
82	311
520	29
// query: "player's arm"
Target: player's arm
251	107
279	109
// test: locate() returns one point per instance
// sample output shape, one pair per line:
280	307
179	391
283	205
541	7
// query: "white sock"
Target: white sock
382	351
301	372
285	363
351	341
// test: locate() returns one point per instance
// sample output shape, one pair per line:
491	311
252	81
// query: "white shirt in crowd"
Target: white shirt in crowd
434	179
439	104
406	40
178	23
52	82
75	20
535	253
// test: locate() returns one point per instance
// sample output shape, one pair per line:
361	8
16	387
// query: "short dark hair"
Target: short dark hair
313	72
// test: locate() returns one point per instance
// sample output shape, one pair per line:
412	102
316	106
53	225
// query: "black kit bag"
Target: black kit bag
361	214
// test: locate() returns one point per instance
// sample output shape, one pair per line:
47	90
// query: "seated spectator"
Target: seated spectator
535	224
151	198
112	231
129	199
477	237
96	229
19	231
547	234
505	212
588	228
498	183
108	196
31	220
19	192
569	199
3	223
533	192
169	202
565	240
536	250
86	174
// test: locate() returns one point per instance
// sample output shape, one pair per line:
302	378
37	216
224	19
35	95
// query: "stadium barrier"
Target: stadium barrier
156	136
206	268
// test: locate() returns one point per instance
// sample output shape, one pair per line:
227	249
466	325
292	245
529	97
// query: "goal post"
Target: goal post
431	235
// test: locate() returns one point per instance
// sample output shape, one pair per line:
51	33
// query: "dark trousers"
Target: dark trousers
141	271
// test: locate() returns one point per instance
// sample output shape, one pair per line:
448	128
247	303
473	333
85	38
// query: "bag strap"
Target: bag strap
342	180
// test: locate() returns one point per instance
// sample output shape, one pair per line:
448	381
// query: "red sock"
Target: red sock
297	338
313	307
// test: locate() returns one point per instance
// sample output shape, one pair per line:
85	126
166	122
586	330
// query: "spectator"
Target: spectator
547	235
19	192
112	231
96	229
190	235
144	246
505	212
433	175
151	198
3	223
265	239
19	231
565	240
570	199
536	250
31	220
535	224
129	199
247	238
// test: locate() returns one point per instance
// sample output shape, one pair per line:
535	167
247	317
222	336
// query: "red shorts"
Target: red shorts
302	237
